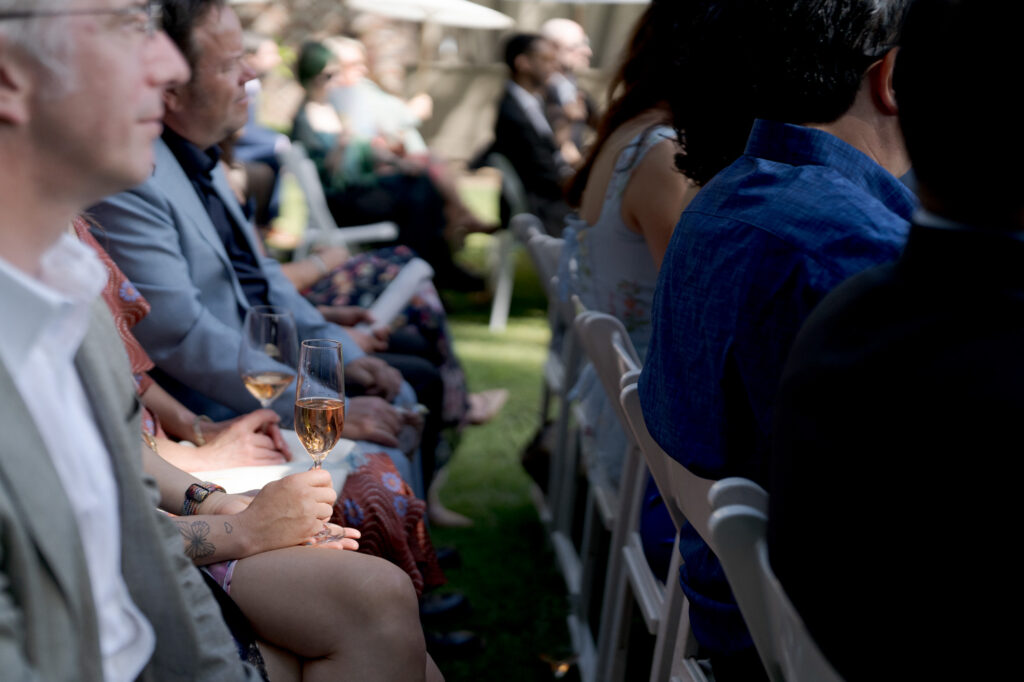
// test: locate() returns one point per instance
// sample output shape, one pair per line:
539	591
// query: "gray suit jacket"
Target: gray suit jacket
161	236
47	618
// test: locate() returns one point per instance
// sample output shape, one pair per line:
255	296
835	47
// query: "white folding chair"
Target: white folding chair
560	374
617	509
685	497
787	650
503	258
321	229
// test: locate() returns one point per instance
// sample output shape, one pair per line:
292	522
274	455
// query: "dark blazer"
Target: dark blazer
533	157
898	435
48	625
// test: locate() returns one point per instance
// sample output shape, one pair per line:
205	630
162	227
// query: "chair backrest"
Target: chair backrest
513	193
610	351
545	251
786	648
524	226
685	494
295	160
321	227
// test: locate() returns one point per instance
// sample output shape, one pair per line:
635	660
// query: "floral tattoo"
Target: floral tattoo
197	543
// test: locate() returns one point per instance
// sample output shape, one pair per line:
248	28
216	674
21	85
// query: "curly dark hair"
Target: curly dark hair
686	55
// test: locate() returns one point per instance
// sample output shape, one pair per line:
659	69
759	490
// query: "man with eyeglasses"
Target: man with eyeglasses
813	200
182	239
93	582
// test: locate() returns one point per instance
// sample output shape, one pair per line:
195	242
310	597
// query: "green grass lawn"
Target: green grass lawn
508	571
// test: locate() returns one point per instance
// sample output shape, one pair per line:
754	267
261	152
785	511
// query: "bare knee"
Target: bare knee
383	598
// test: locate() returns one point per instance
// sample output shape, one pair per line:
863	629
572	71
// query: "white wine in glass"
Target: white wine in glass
318	423
267	356
320	404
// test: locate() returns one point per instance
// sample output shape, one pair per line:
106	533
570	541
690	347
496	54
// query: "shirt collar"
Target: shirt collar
194	161
71	276
533	105
800	146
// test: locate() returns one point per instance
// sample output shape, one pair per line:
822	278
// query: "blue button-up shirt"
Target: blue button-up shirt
753	253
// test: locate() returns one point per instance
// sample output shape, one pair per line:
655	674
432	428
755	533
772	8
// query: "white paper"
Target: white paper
244	479
396	295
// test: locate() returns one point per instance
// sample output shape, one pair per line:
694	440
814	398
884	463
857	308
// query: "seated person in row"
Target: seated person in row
568	107
367	501
364	181
522	133
94	582
629	195
182	240
895	474
814	199
359	614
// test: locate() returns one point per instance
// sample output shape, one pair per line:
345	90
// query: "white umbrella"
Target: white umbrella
456	13
595	2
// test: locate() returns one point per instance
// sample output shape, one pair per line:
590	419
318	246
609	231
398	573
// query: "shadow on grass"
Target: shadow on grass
508	571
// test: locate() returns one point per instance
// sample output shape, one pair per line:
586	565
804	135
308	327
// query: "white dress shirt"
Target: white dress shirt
45	318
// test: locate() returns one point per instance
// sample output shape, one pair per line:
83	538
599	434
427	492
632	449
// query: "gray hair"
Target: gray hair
813	54
42	38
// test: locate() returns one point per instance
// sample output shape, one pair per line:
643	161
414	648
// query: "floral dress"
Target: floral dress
611	269
361	279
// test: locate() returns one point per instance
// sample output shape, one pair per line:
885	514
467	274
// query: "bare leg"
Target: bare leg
433	673
350	616
282	666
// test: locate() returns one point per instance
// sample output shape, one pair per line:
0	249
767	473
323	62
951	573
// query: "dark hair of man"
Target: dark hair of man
690	55
816	53
959	113
179	20
520	43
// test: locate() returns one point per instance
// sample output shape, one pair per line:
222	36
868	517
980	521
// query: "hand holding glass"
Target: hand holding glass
320	404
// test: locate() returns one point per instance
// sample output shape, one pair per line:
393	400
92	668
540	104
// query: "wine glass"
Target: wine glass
266	358
320	404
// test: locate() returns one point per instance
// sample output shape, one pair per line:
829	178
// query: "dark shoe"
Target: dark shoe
453	644
448	557
436	605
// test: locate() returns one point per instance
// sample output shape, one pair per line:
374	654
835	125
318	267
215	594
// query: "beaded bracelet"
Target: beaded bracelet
197	494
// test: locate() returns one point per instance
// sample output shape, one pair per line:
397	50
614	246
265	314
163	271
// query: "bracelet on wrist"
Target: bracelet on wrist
197	494
197	430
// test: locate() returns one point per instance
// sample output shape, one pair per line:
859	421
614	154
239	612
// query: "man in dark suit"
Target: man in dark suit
522	132
898	419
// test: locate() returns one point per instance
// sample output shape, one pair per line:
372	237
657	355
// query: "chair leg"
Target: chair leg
504	276
666	646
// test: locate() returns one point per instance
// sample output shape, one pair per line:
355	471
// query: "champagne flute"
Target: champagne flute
268	352
320	404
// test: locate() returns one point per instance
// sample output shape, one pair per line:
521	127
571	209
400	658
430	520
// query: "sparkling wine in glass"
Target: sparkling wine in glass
320	404
267	357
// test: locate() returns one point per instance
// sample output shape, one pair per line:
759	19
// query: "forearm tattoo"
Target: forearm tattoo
197	539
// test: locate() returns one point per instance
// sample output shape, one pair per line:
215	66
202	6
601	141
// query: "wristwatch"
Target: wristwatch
196	494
